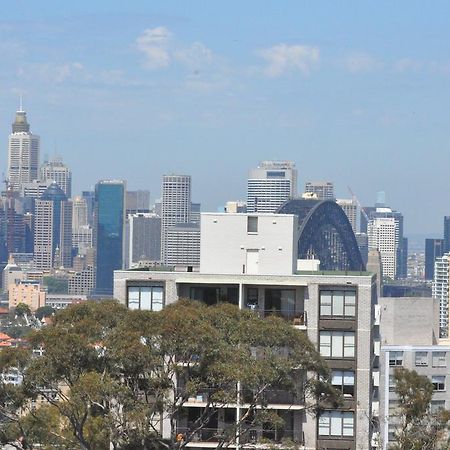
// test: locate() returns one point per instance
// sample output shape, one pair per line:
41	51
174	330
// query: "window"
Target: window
421	358
149	298
391	383
437	405
252	224
344	381
396	358
336	423
438	382
337	344
338	303
439	359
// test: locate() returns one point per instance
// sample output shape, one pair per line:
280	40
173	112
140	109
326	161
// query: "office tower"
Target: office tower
35	188
23	153
53	229
378	235
440	290
270	185
89	196
176	205
382	235
364	217
82	239
446	234
137	201
236	206
143	243
434	248
363	245
109	232
80	213
195	213
323	189
350	208
183	245
55	170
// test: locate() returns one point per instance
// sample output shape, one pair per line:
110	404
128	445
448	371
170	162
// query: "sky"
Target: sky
355	92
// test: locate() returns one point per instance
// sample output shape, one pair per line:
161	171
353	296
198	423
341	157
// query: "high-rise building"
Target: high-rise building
23	153
137	201
323	189
143	238
35	188
55	170
446	234
53	229
270	185
195	213
379	237
440	290
80	213
89	196
183	245
350	208
109	232
176	205
434	248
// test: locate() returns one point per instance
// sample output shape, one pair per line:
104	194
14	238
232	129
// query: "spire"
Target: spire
21	104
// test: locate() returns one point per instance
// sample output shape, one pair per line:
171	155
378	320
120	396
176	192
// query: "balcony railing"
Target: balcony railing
297	318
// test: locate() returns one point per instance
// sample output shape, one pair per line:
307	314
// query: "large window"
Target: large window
421	358
438	382
252	224
396	358
344	381
439	359
338	303
336	423
337	344
149	298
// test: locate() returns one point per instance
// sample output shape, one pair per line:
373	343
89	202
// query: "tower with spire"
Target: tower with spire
23	152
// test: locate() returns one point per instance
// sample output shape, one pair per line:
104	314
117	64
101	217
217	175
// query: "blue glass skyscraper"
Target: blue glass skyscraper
109	232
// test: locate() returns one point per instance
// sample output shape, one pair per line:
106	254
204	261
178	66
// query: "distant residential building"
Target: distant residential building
434	248
143	238
323	189
183	245
236	206
29	292
23	153
55	170
137	201
12	274
350	208
82	282
270	185
109	232
175	207
440	291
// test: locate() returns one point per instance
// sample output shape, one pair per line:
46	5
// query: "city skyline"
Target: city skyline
344	100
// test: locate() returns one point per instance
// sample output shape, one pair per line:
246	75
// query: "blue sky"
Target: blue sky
354	92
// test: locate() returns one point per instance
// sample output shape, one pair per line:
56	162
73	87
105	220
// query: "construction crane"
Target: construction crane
355	198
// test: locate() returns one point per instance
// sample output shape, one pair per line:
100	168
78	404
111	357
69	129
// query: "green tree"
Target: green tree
22	309
113	375
44	311
418	428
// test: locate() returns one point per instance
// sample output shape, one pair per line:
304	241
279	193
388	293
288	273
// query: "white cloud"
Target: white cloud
407	65
361	63
153	43
194	56
283	58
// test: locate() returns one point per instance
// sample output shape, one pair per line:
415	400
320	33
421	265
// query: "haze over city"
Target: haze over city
353	92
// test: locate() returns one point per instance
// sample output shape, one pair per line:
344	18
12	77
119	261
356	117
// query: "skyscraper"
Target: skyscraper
323	189
270	185
109	232
350	208
441	284
446	234
23	152
55	170
53	229
434	248
137	201
176	205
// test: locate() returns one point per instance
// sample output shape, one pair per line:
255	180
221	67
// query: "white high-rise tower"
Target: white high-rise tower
23	152
270	185
55	170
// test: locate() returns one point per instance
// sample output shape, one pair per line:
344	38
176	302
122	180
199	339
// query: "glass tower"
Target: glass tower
109	230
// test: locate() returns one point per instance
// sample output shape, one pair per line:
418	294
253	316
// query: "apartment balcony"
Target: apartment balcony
298	319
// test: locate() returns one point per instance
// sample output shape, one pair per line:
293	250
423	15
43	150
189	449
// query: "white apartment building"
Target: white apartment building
23	153
440	291
270	185
250	260
383	235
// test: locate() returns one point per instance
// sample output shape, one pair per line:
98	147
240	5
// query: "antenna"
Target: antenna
21	103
